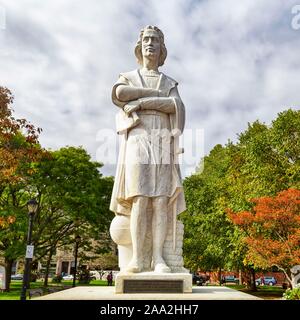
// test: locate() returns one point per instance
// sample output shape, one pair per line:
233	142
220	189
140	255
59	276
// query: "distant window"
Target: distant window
65	266
14	268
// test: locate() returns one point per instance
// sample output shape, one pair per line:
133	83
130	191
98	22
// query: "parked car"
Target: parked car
269	281
230	279
95	275
68	277
16	277
199	280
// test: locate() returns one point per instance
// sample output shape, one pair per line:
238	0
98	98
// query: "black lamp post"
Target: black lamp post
77	241
32	206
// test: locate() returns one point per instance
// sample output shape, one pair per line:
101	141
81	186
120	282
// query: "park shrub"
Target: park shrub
292	294
84	276
57	278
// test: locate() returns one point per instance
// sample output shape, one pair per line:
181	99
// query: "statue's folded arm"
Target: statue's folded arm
127	93
163	104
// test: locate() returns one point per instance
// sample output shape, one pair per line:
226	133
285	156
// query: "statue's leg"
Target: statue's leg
138	224
159	232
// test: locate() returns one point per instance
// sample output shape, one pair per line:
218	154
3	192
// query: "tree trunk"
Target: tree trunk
253	284
8	267
48	268
248	278
220	276
240	277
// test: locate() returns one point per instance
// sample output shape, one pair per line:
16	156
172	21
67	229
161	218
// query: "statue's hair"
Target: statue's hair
163	49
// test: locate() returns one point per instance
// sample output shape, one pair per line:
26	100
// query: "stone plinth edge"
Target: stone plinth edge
185	277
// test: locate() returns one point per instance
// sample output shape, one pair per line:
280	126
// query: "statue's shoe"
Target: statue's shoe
133	268
162	268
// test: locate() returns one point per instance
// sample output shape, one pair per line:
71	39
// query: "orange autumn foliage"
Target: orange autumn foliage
19	148
6	221
18	141
272	230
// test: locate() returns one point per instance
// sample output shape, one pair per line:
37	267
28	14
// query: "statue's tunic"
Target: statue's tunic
146	165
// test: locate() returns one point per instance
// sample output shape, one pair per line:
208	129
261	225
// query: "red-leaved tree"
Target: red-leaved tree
19	149
272	231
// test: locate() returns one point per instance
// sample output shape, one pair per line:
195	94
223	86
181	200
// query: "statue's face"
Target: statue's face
150	44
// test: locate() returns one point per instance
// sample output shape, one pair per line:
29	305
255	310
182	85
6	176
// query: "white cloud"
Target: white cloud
236	61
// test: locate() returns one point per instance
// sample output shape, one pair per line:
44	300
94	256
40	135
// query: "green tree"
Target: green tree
264	161
18	148
73	199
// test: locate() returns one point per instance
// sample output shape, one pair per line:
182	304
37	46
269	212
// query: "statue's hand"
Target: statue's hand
131	106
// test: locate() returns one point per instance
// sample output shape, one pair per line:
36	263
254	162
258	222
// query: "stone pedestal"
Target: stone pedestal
151	282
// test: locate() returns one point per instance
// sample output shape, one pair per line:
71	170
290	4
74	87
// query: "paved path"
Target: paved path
107	293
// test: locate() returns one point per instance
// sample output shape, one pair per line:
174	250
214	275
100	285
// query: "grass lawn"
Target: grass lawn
16	286
264	292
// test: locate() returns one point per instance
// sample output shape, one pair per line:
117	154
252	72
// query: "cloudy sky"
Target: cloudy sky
235	60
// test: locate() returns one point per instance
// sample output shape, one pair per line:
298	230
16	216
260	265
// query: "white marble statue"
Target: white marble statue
295	276
148	193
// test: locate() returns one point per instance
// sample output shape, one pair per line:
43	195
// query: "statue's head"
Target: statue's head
151	42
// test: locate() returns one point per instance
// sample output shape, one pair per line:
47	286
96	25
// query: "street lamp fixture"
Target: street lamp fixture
77	241
32	207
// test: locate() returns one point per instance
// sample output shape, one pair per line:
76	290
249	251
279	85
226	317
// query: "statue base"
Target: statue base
151	282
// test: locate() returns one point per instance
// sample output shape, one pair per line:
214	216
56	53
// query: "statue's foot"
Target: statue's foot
161	268
133	267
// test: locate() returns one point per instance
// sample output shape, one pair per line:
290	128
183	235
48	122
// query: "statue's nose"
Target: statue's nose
150	41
